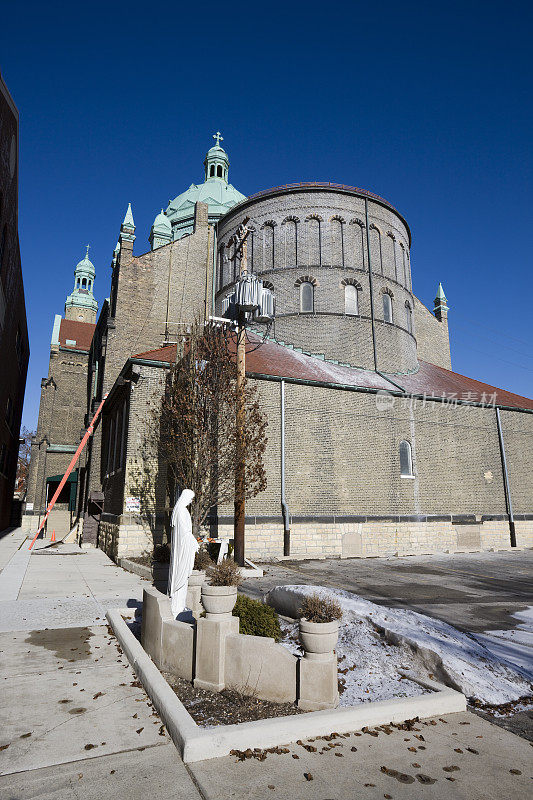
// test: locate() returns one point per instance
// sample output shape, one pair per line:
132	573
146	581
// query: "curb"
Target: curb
198	744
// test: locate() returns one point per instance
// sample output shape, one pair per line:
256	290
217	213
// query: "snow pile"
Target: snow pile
376	642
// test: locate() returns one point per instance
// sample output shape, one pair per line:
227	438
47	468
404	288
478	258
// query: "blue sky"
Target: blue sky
429	105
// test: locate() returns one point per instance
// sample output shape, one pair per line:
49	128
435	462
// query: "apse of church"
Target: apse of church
384	448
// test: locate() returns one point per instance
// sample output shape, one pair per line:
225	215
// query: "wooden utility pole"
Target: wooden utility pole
240	470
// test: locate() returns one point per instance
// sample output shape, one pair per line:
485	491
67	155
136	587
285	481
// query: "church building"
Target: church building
375	446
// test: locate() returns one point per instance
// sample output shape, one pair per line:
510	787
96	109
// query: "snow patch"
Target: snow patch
376	642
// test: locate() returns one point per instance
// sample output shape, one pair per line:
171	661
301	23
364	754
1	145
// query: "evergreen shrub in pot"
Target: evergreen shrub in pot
219	595
319	627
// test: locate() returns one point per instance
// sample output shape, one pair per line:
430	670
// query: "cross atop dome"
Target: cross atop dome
219	138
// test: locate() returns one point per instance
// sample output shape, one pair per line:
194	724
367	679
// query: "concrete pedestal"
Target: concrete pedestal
318	687
211	650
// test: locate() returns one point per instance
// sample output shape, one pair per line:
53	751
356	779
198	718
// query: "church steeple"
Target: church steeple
441	305
81	304
216	161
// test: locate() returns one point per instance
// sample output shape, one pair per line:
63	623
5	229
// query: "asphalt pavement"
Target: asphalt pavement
75	723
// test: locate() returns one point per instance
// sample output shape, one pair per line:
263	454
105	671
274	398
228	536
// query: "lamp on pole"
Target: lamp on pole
250	301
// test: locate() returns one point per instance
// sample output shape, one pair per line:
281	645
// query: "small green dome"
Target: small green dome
85	266
217	152
162	223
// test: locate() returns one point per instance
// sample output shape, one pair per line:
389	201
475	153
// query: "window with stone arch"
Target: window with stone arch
358	242
351	297
268	245
406	460
306	286
314	239
409	316
387	307
336	226
290	228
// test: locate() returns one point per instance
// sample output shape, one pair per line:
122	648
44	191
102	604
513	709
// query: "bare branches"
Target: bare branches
198	424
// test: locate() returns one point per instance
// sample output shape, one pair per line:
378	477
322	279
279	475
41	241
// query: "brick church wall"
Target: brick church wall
343	485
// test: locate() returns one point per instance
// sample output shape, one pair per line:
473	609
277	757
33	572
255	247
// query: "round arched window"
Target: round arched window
307	297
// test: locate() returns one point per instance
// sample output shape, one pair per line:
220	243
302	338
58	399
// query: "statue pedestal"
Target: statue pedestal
211	651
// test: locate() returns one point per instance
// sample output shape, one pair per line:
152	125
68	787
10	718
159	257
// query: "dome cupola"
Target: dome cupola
219	195
81	304
216	161
161	232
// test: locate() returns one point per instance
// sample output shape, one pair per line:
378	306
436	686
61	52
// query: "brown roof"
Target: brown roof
167	353
76	335
277	360
445	383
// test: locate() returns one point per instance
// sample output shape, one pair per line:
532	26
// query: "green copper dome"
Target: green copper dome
82	296
219	195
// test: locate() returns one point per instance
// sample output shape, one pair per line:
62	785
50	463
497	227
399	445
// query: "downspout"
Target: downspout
506	488
284	507
213	291
371	286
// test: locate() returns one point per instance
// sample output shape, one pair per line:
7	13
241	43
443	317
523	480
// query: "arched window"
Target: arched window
406	460
409	317
212	171
219	171
351	300
307	297
387	307
84	283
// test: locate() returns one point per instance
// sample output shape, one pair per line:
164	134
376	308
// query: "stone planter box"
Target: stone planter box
319	639
218	600
158	571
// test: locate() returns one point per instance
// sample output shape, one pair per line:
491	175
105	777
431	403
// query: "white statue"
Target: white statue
182	552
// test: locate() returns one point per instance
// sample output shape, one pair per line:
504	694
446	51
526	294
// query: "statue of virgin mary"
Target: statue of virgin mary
183	549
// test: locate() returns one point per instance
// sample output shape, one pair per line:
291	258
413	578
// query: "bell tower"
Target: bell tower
81	304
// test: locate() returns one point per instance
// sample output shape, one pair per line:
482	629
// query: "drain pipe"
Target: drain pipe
506	488
213	288
284	507
371	287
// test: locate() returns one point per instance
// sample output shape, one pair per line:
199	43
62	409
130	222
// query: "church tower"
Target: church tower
81	305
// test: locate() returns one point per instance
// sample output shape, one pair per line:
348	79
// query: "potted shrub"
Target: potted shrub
219	595
319	627
202	561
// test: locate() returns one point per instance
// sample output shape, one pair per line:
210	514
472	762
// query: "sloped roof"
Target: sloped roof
272	359
167	353
76	335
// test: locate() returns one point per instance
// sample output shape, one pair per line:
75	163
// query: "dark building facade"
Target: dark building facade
14	347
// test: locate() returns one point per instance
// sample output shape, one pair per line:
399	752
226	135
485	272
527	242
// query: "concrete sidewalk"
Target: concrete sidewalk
74	722
69	696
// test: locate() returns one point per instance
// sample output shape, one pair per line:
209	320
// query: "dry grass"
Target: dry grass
227	573
318	609
202	559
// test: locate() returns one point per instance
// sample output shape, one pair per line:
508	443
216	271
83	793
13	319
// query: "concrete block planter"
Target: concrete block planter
157	571
197	744
218	600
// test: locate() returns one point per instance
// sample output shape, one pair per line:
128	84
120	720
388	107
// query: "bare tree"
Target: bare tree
198	430
23	463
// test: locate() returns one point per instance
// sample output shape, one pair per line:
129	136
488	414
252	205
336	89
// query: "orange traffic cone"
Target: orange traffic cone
53	536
